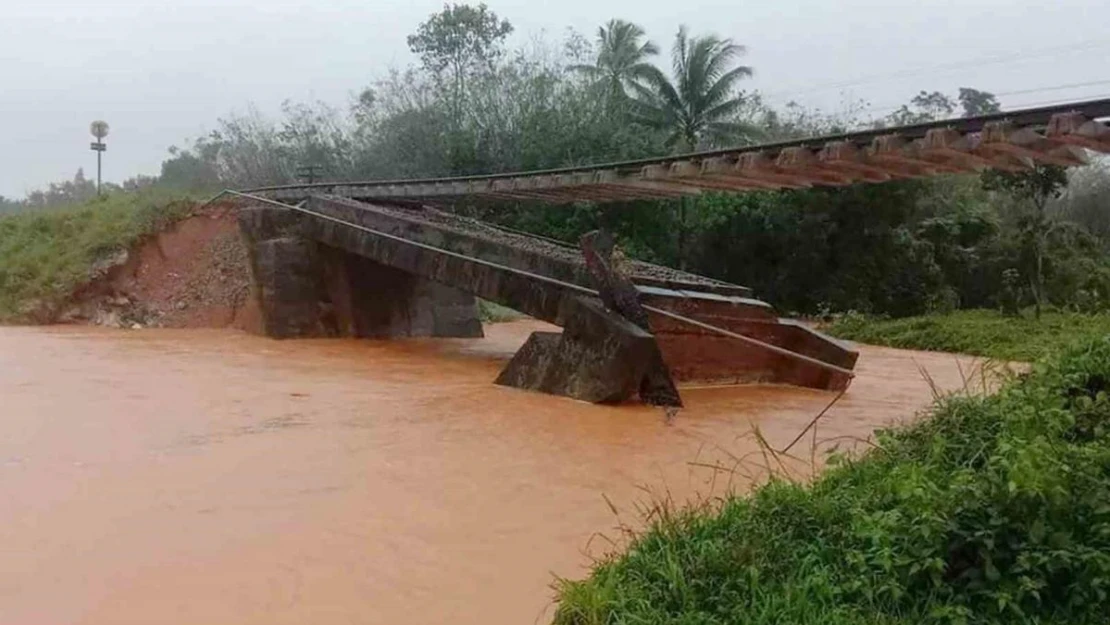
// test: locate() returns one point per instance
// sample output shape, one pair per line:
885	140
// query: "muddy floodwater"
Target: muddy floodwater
194	476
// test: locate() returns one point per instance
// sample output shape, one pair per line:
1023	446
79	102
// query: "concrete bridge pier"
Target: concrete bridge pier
598	357
308	289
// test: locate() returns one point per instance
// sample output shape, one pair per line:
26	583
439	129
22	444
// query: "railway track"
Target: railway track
1012	140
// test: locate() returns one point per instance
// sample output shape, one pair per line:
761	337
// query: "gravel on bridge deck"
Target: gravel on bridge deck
639	271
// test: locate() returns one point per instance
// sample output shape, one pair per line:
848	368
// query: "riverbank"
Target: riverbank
993	510
134	260
45	254
985	333
211	476
125	260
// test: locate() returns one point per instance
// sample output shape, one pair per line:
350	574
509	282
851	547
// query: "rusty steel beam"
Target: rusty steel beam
637	185
945	145
724	169
1076	129
895	151
760	166
846	158
1005	138
802	161
690	175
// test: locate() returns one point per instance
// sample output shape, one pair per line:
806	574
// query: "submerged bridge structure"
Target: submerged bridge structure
382	259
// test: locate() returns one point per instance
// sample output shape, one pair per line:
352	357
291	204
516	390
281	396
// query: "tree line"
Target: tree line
473	105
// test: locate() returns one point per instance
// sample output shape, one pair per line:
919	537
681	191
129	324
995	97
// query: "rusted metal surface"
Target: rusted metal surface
1010	141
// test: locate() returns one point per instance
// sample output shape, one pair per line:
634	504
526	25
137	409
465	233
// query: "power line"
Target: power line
981	61
1078	85
1075	85
989	60
1023	105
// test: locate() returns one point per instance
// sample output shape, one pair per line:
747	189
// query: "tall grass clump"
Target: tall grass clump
46	253
492	312
996	509
977	332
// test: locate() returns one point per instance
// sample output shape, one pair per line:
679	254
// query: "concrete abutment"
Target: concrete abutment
309	289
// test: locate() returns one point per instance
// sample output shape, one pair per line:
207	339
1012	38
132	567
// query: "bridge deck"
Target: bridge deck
480	239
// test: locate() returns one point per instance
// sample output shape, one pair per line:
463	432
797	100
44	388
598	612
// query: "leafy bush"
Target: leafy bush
994	510
899	249
977	332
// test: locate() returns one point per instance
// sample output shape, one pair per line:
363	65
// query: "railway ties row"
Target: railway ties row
1013	142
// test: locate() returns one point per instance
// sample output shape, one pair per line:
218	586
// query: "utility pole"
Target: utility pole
310	173
99	129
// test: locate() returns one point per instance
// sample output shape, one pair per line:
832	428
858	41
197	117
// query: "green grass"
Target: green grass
492	312
979	332
994	510
46	253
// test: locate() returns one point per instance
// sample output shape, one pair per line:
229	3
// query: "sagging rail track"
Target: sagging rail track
1008	141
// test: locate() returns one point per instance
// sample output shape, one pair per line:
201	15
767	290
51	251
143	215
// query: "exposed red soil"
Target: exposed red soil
194	275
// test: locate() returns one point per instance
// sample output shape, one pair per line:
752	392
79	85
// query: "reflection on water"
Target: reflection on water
213	477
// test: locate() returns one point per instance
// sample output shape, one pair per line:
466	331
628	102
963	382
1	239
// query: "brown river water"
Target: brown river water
205	476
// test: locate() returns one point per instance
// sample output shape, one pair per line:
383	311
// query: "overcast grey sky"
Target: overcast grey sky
162	72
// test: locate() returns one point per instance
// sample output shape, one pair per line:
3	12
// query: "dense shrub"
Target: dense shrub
897	249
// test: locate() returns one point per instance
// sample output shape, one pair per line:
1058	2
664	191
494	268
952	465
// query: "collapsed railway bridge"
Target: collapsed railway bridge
383	259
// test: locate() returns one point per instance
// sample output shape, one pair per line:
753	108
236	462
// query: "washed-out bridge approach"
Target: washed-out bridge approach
384	259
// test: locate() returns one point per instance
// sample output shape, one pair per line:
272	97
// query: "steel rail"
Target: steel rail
1040	116
541	278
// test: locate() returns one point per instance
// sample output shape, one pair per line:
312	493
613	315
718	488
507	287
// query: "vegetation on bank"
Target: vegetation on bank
492	312
46	253
979	332
994	510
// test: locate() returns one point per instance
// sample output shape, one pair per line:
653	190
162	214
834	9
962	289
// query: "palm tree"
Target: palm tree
699	106
621	60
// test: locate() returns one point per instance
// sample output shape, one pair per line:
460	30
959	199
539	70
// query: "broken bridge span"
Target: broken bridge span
335	266
378	259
